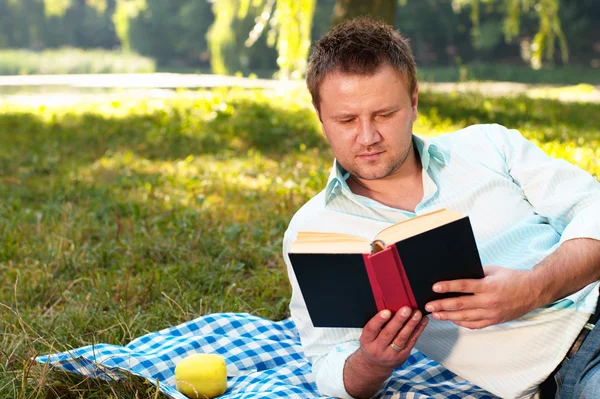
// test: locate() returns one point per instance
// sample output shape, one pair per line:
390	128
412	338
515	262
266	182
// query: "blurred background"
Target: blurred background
453	40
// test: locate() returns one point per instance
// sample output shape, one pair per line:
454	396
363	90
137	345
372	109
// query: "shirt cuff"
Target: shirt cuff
584	225
329	370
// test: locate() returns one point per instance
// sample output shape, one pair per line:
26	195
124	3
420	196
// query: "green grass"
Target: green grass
130	216
72	61
560	75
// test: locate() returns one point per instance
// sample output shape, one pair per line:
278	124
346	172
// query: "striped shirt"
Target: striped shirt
522	205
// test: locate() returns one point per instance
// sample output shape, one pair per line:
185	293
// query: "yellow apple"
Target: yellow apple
201	376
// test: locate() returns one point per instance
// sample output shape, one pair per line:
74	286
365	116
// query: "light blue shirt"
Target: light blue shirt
522	205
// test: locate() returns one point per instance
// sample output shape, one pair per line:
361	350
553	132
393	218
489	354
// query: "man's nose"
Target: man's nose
368	134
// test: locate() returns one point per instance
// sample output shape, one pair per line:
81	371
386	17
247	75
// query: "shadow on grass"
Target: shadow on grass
27	139
32	144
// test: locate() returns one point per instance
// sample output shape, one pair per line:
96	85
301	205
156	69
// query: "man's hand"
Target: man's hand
385	344
505	294
377	338
502	295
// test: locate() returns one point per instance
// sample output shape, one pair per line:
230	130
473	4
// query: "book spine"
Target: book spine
377	295
407	288
390	276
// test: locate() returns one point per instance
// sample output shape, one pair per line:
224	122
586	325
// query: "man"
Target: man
536	222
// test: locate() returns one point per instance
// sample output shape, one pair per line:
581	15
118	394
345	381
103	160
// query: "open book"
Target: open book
345	279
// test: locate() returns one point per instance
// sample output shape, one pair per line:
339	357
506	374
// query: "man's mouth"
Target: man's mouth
369	156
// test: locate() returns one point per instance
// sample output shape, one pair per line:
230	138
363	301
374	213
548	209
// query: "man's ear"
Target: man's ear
316	107
415	102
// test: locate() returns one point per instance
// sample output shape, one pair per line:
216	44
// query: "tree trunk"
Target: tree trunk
381	9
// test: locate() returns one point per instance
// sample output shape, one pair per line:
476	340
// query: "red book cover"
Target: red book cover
391	281
374	284
409	292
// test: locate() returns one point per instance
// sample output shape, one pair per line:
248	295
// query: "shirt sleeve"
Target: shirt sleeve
566	195
326	348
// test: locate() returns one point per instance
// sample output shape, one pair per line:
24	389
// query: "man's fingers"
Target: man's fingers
373	327
416	333
464	315
457	303
403	336
465	286
396	323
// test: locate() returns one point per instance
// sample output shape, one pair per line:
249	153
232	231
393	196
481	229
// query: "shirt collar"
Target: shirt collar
428	151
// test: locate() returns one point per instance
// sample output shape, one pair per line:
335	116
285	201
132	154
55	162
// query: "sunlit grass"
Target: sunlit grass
128	216
565	92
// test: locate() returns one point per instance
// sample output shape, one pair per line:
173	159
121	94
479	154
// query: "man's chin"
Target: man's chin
371	174
370	171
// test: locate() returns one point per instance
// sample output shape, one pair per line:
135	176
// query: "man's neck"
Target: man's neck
403	189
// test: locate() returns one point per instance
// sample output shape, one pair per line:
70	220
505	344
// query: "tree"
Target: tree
381	9
293	31
126	10
547	11
265	35
437	34
220	36
289	31
173	32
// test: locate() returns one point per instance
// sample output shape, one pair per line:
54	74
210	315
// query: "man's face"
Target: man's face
368	121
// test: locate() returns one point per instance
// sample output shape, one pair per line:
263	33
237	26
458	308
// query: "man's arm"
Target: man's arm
569	199
575	264
368	367
506	294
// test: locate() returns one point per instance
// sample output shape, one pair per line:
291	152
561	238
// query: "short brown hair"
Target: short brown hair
359	46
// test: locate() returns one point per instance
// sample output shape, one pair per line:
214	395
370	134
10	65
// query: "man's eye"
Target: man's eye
346	121
385	116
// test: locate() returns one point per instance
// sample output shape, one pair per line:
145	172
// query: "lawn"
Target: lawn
125	217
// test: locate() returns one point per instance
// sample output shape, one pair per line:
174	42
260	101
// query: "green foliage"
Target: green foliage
40	24
294	21
322	19
438	35
384	10
549	25
454	32
69	60
550	30
221	37
126	10
21	22
129	215
237	43
290	33
56	7
177	29
262	36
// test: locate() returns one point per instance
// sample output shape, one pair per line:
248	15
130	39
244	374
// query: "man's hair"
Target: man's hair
359	46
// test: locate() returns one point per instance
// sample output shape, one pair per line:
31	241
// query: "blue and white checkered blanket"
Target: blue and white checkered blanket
264	360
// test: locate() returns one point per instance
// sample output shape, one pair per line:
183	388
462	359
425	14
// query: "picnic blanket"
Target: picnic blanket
264	360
